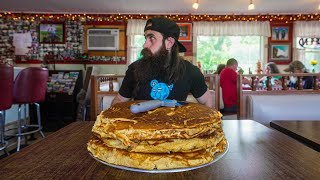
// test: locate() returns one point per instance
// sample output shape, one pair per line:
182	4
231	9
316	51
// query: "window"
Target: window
136	47
311	54
214	50
309	49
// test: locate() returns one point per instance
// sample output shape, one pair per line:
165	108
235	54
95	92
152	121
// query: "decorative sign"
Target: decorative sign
309	42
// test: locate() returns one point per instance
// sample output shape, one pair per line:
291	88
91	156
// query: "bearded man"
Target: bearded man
161	73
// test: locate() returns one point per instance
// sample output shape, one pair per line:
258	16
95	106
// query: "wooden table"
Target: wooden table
307	132
256	152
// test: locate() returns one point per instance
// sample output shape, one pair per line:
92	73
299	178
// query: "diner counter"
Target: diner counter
255	152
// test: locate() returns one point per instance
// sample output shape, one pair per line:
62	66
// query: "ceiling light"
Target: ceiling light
195	5
251	6
319	6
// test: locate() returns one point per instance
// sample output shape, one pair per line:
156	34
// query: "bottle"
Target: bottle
250	72
259	70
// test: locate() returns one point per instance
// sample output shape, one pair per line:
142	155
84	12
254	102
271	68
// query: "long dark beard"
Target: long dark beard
151	66
164	66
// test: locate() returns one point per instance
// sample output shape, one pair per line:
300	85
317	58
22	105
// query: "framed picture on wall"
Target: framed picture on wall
52	33
185	32
280	43
280	53
280	33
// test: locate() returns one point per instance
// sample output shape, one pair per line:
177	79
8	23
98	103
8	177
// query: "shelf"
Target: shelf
69	62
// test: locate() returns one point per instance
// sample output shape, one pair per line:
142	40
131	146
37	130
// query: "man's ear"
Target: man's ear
169	42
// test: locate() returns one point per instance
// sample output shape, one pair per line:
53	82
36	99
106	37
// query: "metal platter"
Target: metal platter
216	158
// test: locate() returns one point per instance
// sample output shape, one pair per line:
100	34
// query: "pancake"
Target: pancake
182	122
168	145
164	138
151	161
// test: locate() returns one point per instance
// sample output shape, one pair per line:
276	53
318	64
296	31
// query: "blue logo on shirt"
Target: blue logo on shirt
160	90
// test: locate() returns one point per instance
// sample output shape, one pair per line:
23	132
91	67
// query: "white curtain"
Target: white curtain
304	29
232	28
134	27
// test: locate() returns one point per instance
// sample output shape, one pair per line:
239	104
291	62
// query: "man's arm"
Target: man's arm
127	86
119	99
206	99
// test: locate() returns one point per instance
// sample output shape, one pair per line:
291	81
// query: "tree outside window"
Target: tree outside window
136	47
215	50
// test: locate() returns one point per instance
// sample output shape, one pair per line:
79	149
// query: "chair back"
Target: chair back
30	85
6	86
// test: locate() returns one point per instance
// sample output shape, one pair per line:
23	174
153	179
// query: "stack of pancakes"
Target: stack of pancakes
163	138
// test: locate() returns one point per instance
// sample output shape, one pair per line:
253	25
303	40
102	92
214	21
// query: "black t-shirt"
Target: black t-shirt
192	81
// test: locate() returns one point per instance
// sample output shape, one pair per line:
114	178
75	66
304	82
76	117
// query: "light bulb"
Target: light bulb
251	6
195	5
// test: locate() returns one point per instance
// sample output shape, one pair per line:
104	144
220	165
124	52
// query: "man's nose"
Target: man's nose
146	44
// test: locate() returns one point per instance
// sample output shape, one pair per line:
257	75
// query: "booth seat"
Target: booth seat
266	108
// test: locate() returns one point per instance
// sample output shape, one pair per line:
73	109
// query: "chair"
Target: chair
6	99
29	88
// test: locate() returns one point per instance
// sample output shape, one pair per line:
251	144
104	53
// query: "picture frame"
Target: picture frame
280	53
280	33
52	33
280	43
185	32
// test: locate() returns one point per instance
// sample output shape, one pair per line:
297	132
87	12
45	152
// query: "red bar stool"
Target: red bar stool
6	99
29	88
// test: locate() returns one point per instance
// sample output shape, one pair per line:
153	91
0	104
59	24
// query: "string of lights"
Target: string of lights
184	18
